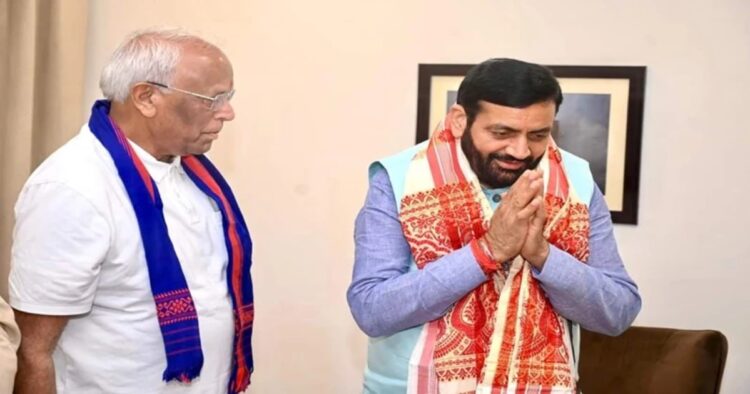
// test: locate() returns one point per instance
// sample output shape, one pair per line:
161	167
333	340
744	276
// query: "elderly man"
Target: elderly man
479	252
130	269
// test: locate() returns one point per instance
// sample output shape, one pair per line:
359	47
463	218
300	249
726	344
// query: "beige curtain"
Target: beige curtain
42	58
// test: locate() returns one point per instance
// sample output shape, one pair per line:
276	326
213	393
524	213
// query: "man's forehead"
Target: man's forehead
196	63
486	105
203	55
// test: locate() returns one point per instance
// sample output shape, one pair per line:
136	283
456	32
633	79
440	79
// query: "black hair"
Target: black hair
507	82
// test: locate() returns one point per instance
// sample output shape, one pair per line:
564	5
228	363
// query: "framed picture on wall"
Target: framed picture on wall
600	120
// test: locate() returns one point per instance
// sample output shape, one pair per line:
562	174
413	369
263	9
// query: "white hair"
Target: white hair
146	55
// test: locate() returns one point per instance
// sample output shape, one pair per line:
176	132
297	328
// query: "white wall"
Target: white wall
326	87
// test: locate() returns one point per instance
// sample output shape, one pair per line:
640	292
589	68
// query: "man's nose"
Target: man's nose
519	147
225	112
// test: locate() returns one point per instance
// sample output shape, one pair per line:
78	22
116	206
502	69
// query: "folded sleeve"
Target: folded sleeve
59	242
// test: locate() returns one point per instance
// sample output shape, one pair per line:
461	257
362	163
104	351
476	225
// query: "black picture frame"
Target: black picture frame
621	87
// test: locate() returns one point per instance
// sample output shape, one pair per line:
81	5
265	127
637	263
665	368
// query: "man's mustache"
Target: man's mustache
510	159
530	162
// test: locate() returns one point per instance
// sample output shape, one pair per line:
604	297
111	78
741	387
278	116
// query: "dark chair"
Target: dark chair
652	360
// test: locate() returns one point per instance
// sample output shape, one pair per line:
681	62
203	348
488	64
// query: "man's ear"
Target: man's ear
143	98
457	120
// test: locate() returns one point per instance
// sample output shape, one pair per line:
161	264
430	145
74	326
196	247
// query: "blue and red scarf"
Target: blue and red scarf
174	304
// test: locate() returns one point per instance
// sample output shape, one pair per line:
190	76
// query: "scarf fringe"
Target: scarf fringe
238	385
182	373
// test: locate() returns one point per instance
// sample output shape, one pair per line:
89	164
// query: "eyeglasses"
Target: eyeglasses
216	102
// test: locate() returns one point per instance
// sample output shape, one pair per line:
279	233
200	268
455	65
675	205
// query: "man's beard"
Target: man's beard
488	171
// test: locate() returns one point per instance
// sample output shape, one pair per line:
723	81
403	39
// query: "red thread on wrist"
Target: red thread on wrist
484	256
487	250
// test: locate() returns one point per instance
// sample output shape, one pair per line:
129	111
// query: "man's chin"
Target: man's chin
503	179
200	149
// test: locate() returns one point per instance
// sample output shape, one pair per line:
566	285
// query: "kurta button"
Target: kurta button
496	198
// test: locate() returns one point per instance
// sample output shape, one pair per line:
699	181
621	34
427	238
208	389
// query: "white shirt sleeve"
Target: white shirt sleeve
59	242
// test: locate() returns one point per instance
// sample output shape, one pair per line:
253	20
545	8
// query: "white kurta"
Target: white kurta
77	251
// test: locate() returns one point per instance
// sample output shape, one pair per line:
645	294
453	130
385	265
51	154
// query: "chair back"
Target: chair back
652	360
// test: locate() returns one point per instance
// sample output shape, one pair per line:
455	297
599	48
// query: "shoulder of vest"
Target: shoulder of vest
579	175
395	161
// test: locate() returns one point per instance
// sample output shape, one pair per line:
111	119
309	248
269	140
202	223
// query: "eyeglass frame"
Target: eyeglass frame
213	100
